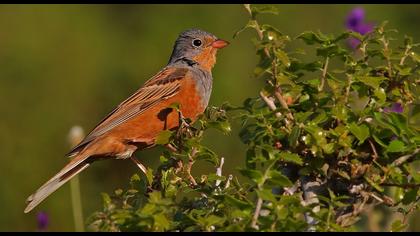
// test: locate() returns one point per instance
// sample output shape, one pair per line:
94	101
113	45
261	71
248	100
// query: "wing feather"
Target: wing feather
162	86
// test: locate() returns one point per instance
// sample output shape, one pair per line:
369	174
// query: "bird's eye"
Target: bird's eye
196	42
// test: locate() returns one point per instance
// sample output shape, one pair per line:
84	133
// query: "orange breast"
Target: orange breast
146	127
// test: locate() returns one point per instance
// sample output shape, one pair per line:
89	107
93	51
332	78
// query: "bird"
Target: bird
137	121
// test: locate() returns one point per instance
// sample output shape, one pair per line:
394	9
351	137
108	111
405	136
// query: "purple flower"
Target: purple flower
396	107
355	18
355	22
42	219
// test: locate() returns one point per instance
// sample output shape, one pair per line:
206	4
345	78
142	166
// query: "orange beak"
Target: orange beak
220	43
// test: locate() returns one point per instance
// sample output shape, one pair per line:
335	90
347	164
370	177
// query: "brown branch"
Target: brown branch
401	185
406	53
310	188
347	94
270	103
139	165
189	166
386	54
324	74
219	171
375	153
256	214
404	158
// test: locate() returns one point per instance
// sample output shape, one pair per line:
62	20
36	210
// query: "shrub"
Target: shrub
326	138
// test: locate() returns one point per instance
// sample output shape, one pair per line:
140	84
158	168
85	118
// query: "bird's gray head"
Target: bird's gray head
198	46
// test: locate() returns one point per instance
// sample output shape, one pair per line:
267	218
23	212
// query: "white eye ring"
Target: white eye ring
197	43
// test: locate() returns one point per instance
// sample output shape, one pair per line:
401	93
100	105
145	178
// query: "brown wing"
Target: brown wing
162	86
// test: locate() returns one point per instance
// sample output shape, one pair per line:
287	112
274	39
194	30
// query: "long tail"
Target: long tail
76	165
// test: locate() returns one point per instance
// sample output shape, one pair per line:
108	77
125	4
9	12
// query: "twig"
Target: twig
347	94
324	74
375	153
283	103
256	214
139	165
358	208
219	171
228	181
257	26
76	136
406	53
401	185
310	196
404	158
386	54
270	103
189	166
291	190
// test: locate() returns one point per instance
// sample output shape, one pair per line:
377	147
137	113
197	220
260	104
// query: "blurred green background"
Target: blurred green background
65	65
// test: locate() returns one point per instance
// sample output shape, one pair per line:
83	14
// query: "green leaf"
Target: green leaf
371	81
264	10
373	184
106	199
176	106
320	118
208	155
415	57
329	50
266	194
291	157
213	177
361	132
251	24
380	94
310	38
242	205
396	146
328	148
282	56
279	179
149	175
214	220
223	126
161	221
163	137
252	174
294	136
398	226
410	196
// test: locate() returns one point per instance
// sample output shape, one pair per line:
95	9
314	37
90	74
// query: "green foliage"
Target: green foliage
331	122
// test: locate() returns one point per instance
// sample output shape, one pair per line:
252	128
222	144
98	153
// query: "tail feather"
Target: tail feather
77	165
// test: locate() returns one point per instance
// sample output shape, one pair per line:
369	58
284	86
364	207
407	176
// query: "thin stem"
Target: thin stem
219	171
347	94
260	201
283	103
310	196
324	74
375	153
190	164
256	214
406	53
76	135
404	158
401	185
270	103
257	26
386	54
139	165
77	204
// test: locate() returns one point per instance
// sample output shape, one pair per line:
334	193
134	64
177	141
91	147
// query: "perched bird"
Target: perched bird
137	121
